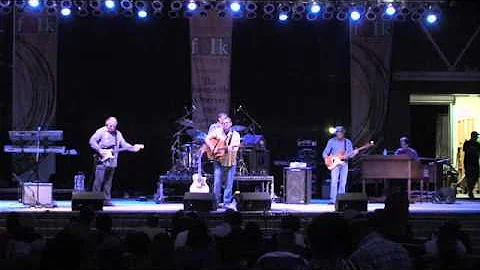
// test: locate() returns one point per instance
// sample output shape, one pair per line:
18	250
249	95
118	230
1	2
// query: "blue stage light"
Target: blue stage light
390	10
192	6
110	4
235	6
355	15
33	3
142	14
315	8
431	18
283	17
66	12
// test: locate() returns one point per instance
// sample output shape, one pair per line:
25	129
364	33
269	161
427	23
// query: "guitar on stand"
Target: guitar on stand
199	182
333	161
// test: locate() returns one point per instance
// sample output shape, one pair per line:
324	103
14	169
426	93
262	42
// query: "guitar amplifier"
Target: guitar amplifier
297	183
33	193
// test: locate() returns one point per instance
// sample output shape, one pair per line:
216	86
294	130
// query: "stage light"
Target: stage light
283	17
315	8
311	16
269	8
192	6
390	10
431	18
142	14
66	11
299	8
4	3
157	5
235	6
125	4
355	15
110	4
331	130
370	15
251	15
33	3
251	6
176	5
94	4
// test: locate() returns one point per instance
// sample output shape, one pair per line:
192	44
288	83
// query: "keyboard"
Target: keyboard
30	149
260	178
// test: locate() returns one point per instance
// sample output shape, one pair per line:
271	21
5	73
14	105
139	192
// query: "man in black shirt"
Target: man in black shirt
470	162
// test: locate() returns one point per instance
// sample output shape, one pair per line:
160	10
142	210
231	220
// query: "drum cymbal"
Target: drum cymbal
185	122
239	128
197	134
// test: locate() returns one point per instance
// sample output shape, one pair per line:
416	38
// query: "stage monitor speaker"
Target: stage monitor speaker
298	185
201	202
254	201
33	193
92	200
355	201
445	195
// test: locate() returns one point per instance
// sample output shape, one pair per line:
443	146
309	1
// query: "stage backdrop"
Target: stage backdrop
211	38
34	90
370	69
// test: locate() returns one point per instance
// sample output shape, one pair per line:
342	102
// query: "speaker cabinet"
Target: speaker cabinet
254	201
256	160
355	201
297	183
201	202
92	200
33	193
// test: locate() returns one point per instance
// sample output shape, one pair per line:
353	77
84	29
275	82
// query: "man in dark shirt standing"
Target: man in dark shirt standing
470	162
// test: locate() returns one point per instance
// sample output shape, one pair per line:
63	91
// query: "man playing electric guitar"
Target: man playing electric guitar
223	144
107	141
340	147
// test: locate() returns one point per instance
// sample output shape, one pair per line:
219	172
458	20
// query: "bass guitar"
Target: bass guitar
199	182
333	161
109	153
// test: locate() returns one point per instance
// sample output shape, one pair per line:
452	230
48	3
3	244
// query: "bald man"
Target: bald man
103	141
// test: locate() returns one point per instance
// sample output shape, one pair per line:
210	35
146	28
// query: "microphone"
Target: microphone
239	108
194	107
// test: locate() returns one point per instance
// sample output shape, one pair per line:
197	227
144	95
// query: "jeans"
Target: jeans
339	181
223	174
103	180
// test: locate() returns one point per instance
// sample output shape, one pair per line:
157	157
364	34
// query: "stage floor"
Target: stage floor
461	206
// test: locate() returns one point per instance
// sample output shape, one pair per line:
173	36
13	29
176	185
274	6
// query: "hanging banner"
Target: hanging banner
211	38
370	71
34	95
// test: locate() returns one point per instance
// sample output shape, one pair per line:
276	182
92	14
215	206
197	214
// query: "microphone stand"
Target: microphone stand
37	174
251	127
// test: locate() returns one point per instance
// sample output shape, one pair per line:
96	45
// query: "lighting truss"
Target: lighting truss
370	10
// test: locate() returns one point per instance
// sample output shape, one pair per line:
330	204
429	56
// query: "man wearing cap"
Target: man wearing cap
339	145
470	162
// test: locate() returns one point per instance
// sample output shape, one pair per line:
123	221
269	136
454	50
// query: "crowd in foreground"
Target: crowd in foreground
349	240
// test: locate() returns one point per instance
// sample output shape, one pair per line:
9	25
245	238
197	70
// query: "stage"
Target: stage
133	206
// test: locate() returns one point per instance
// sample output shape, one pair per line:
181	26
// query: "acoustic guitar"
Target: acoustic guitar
333	161
199	182
219	150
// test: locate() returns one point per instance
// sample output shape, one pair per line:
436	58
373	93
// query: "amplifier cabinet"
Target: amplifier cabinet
297	183
33	193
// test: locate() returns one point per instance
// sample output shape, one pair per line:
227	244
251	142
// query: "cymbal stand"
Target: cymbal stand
253	124
37	174
176	144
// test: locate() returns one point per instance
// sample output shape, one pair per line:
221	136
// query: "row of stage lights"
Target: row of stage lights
270	10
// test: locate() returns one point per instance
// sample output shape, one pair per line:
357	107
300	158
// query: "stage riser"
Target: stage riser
423	225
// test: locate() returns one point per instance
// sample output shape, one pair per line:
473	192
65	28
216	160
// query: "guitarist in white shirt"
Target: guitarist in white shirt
106	141
225	166
342	147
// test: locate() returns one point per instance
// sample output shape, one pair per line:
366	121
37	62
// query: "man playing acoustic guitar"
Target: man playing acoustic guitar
223	143
342	149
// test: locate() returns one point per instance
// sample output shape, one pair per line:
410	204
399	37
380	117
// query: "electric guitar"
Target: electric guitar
109	153
333	161
199	182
